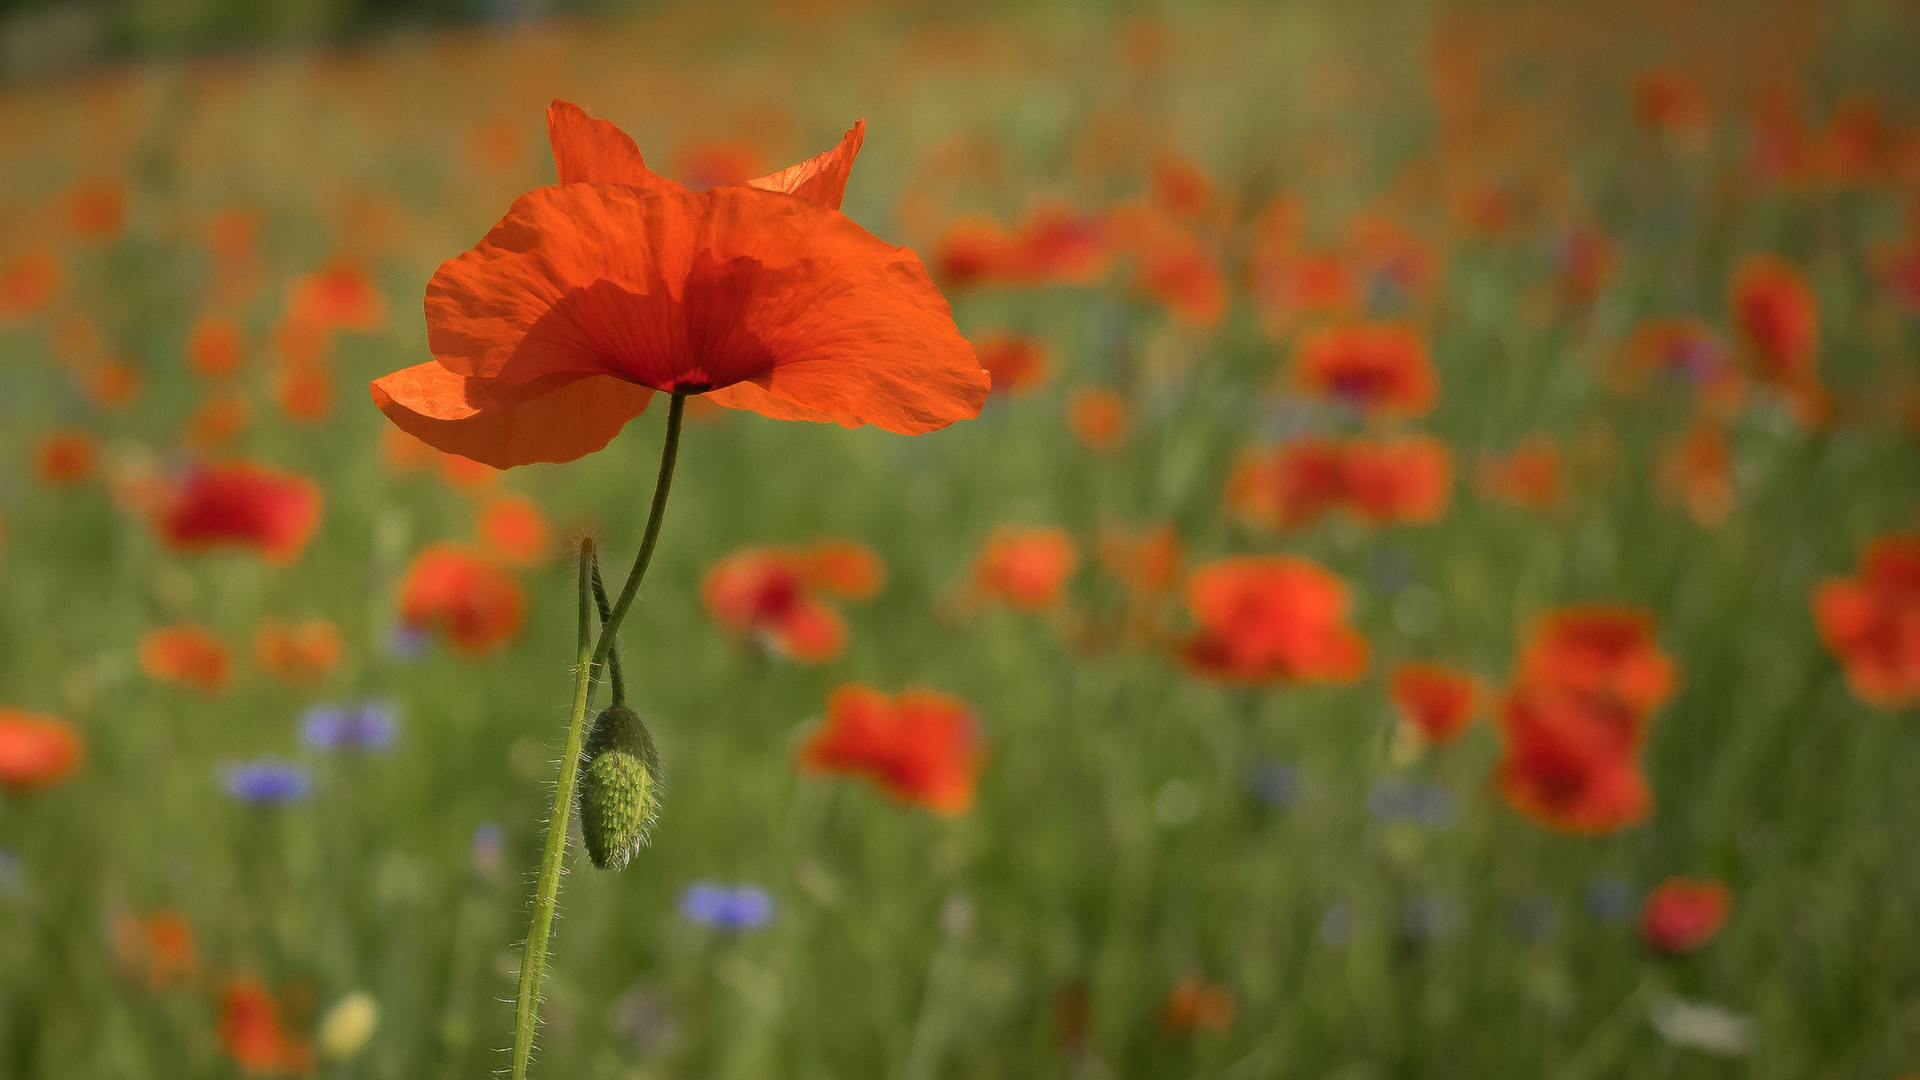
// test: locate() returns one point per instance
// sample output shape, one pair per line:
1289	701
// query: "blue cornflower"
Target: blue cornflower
266	782
1275	784
726	908
367	726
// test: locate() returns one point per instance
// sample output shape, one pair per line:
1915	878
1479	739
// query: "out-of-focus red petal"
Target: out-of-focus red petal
821	179
456	414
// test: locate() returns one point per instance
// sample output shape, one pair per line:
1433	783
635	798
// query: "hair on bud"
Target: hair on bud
619	787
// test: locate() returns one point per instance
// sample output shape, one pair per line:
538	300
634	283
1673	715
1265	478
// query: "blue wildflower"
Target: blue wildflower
1392	799
726	908
366	726
488	852
408	643
265	782
1275	784
1610	899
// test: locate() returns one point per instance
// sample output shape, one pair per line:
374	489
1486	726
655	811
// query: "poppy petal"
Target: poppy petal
456	414
707	290
821	179
590	151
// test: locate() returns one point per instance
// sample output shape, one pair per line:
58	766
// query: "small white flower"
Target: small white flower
1703	1026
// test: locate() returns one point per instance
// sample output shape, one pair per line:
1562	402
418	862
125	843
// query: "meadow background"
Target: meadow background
1158	875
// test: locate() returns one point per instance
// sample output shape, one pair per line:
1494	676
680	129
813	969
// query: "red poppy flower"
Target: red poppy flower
35	751
110	384
304	392
1776	315
1405	479
298	652
1682	914
454	589
1145	559
920	746
1606	651
1179	187
513	530
162	943
1564	764
1290	285
1198	1005
239	504
1697	473
252	1034
1289	486
1586	259
1016	363
337	297
1379	369
186	655
1436	700
1668	101
1268	618
65	457
97	209
1025	568
720	163
1871	623
1097	416
220	417
590	295
975	251
28	283
214	347
1177	269
1529	477
769	592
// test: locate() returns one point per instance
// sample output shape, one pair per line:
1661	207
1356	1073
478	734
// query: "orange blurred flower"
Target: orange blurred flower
1025	568
1687	349
1871	622
513	530
1682	914
1179	187
1378	368
720	163
214	347
239	504
1268	618
1198	1005
920	746
1528	477
301	652
28	283
466	596
1698	474
1562	765
340	296
110	384
162	943
221	416
96	209
186	655
65	457
1097	416
1145	559
1668	101
304	392
771	594
1404	479
252	1034
592	294
1016	363
1605	651
35	751
1436	700
1777	318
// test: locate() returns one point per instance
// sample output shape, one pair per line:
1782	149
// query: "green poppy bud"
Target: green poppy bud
619	787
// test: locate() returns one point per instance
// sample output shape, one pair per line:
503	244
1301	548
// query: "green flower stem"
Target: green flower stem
613	654
546	894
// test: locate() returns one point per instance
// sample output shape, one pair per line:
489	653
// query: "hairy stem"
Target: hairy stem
546	894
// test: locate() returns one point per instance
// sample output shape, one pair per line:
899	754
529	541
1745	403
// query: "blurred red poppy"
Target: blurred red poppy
35	751
1097	416
214	347
222	415
920	746
590	295
1025	568
513	530
186	655
96	209
1017	363
1378	368
1682	914
1871	623
1289	486
1776	316
252	1034
162	943
65	457
1606	651
1195	1004
1697	473
1563	766
1179	187
239	504
1528	477
301	652
1271	618
1668	101
339	296
770	593
461	593
1436	700
1404	479
28	283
